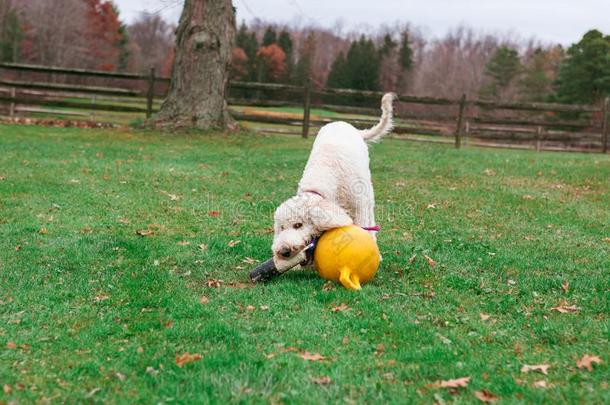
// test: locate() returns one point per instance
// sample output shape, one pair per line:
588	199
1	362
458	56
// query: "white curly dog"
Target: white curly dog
335	189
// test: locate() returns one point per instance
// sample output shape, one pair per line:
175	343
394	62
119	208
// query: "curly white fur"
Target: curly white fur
335	189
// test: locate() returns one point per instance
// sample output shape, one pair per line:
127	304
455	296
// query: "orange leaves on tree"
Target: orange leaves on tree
239	67
274	58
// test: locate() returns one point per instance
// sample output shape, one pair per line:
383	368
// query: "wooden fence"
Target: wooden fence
29	89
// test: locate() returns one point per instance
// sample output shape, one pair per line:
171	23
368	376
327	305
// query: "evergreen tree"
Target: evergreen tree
405	53
536	83
363	65
387	46
584	76
285	42
270	36
247	41
339	76
10	37
501	70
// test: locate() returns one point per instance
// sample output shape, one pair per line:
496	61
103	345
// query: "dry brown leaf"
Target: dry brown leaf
325	380
120	376
565	286
250	307
7	389
527	197
606	240
311	356
249	260
412	259
233	243
101	297
484	316
587	360
431	262
485	396
144	232
140	350
380	348
214	214
540	384
345	340
456	383
183	243
270	355
187	358
11	345
18	247
340	308
212	283
543	368
489	172
203	247
203	300
43	231
124	220
173	197
564	309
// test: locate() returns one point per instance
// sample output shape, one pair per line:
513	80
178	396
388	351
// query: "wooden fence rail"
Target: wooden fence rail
48	86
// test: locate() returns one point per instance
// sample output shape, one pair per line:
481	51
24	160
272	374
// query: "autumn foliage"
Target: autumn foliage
274	59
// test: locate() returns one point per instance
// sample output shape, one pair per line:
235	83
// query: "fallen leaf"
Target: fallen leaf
327	286
311	356
214	214
140	350
7	389
183	243
144	232
101	297
345	340
264	307
587	360
250	307
431	206
203	300
124	220
43	231
18	247
120	376
233	243
185	358
203	247
565	286
489	172
606	240
527	197
340	308
540	384
380	348
484	317
173	197
511	282
456	383
151	371
325	380
543	368
93	392
412	259
249	260
214	283
431	262
11	345
270	355
564	309
485	396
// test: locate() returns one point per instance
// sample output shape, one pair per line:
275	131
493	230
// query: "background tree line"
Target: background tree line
90	34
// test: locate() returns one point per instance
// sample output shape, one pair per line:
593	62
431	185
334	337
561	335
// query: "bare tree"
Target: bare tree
152	41
204	44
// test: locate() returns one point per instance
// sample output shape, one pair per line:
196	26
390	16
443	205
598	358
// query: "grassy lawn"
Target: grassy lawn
92	312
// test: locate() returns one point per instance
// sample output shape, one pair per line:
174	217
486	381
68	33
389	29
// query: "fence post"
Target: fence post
150	94
12	105
306	107
538	138
460	120
466	132
605	125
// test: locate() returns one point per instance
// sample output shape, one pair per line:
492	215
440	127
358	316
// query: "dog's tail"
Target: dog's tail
385	124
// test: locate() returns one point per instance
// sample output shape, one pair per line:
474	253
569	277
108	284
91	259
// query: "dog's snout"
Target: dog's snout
285	252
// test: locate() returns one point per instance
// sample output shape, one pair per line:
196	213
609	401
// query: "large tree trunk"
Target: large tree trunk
204	42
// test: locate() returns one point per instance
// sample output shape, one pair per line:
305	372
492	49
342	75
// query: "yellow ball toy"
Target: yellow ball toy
348	255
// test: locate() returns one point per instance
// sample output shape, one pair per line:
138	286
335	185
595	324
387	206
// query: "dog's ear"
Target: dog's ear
326	215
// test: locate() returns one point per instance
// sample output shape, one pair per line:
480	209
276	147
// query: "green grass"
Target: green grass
88	306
